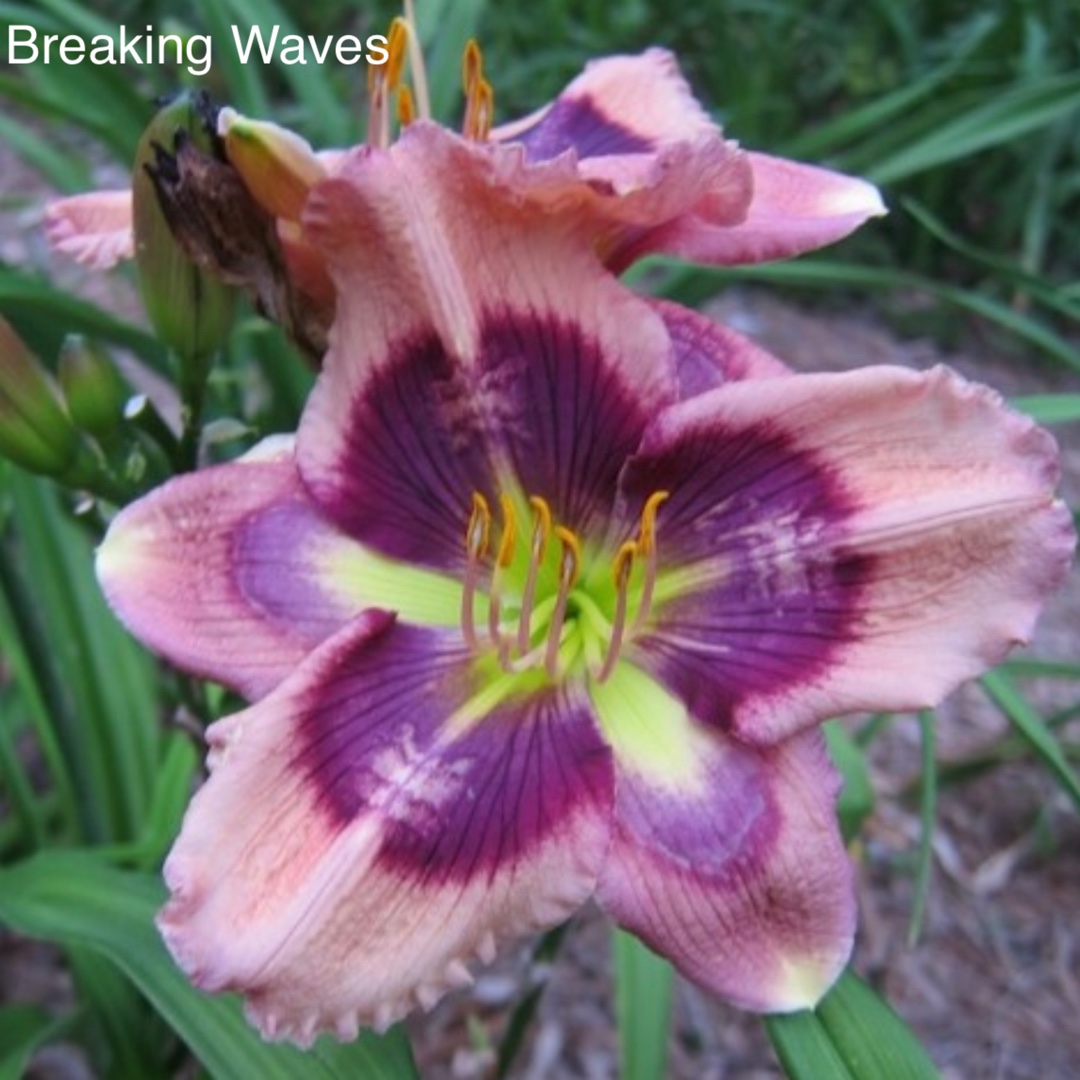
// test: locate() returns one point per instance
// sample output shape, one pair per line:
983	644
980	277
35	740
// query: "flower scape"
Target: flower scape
548	596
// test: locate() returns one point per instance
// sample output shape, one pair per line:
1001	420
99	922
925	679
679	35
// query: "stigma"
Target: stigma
549	600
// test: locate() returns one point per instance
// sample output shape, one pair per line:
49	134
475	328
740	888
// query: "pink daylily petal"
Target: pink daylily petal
224	572
617	105
843	542
625	113
353	850
94	229
474	338
795	208
744	883
708	355
628	139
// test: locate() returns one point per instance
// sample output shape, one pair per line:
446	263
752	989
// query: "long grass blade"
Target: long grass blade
1031	726
643	985
852	1035
927	815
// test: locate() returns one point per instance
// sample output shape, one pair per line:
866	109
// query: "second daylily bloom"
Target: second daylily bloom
626	142
545	603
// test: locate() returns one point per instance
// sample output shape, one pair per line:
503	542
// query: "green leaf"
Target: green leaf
927	815
856	801
63	171
999	118
805	1049
824	138
76	900
123	1039
247	92
1050	408
1034	730
105	704
445	27
23	296
23	1030
643	984
852	1035
172	792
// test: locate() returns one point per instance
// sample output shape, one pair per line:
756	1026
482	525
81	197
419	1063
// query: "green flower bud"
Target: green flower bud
35	430
92	388
190	308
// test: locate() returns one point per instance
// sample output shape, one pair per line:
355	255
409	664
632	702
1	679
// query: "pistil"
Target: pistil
622	566
569	567
505	556
537	551
416	63
477	538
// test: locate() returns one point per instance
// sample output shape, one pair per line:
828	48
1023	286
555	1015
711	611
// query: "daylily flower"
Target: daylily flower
626	140
545	604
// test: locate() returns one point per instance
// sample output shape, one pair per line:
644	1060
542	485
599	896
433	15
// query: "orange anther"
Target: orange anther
541	526
508	541
623	563
472	66
397	46
647	531
406	107
478	531
570	565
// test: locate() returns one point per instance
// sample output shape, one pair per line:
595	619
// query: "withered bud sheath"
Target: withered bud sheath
35	429
93	389
217	215
190	308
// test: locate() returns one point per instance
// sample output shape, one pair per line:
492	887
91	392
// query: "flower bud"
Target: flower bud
92	388
190	308
277	166
35	430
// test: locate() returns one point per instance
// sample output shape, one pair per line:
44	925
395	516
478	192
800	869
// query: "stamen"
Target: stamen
537	551
621	566
396	46
378	129
484	112
569	567
646	544
477	536
384	79
416	64
479	95
508	543
505	556
647	531
472	65
406	107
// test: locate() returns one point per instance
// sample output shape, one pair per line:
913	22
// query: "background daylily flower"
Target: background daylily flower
626	140
636	132
545	603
